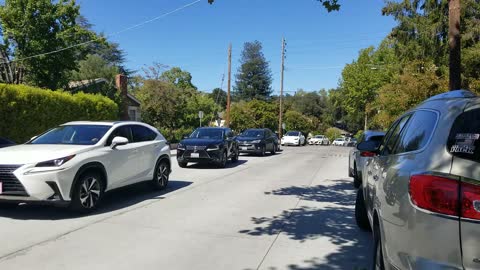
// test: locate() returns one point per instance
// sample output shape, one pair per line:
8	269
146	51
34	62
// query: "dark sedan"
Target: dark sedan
208	145
258	141
6	142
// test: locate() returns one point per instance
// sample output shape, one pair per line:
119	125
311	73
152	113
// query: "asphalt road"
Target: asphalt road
292	211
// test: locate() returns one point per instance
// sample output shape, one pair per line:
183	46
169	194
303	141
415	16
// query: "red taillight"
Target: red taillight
441	195
367	154
436	194
470	201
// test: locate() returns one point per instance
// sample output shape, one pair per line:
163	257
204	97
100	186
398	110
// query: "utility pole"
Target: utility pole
454	38
227	122
282	69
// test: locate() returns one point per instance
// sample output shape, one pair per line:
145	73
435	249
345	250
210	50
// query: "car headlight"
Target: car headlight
296	139
257	141
55	162
180	147
214	148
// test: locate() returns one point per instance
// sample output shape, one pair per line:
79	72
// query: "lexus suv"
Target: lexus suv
258	141
76	163
421	190
208	145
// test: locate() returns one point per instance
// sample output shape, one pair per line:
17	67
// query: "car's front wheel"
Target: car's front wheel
235	155
87	192
223	160
378	262
182	164
357	181
161	175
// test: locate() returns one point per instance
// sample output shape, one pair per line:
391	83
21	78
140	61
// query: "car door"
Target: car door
122	161
148	147
269	141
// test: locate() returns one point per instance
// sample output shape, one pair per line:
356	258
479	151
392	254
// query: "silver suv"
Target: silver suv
421	192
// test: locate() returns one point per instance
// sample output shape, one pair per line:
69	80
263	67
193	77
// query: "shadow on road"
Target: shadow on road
333	220
114	200
230	165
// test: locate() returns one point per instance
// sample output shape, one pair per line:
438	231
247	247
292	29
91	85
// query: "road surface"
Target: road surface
291	211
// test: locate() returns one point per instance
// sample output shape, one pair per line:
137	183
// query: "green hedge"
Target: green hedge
28	111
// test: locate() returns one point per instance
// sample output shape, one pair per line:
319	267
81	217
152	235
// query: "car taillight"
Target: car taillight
470	201
367	154
442	195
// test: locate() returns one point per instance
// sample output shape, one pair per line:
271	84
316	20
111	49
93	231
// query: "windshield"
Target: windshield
293	133
74	134
252	133
205	133
319	137
339	139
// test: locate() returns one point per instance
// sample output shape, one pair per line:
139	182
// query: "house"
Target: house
131	105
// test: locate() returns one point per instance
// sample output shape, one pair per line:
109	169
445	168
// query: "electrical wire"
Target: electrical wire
114	34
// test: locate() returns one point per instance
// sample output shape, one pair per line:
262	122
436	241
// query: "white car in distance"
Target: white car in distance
75	163
318	140
339	142
293	138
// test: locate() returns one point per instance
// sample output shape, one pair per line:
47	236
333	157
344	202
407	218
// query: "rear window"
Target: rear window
418	132
464	138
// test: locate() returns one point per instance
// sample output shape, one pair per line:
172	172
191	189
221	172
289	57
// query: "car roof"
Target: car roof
105	123
370	133
219	128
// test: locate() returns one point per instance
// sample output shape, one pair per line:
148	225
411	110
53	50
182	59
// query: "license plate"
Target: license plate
244	148
194	155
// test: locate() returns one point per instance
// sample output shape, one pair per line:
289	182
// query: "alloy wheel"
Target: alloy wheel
90	192
162	174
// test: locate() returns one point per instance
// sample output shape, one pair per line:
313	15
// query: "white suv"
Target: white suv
75	163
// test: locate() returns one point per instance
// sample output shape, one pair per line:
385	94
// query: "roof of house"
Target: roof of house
87	83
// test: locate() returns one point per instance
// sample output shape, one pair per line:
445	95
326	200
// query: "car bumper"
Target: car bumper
30	184
291	142
203	156
250	148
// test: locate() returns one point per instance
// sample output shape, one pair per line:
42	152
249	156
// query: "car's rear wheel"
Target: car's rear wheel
262	151
274	149
161	175
356	178
87	192
378	262
182	164
361	212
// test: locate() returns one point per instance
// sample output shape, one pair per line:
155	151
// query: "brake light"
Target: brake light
367	154
470	201
442	195
436	194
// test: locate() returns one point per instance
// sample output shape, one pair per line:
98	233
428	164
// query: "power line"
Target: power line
114	34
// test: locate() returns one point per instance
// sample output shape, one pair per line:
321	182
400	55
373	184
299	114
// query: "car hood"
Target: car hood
291	137
243	139
34	153
201	142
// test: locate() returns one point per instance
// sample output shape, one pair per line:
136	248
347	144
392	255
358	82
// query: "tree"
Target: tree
178	77
220	97
254	113
36	27
330	5
254	78
296	121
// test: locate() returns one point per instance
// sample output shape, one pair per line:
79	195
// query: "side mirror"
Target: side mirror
117	141
367	148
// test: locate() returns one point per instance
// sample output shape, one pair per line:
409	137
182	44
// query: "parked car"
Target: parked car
339	142
208	145
4	142
293	138
421	191
257	141
318	140
357	158
350	142
76	163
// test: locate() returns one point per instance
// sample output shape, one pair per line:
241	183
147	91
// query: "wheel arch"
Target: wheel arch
91	166
166	158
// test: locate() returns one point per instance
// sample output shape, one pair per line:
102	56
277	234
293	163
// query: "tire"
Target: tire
182	164
8	205
378	262
235	156
262	151
274	150
87	192
161	176
223	162
357	181
361	212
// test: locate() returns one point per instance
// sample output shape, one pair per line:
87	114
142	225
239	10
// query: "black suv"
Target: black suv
258	141
208	145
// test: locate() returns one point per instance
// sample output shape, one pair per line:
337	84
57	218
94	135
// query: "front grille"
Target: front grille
202	154
191	147
10	184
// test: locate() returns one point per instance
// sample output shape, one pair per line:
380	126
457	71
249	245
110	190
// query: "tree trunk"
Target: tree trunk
454	40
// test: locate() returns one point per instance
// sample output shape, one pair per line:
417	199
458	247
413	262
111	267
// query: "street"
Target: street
294	210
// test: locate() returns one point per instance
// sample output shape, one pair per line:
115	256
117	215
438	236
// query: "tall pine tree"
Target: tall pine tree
254	78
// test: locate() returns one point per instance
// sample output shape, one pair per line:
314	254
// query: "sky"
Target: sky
196	38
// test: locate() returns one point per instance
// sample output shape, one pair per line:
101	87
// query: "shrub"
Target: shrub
28	111
333	133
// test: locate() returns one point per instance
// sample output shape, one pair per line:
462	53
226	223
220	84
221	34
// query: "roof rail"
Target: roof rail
453	94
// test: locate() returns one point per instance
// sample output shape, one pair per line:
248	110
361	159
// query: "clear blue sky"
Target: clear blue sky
196	39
